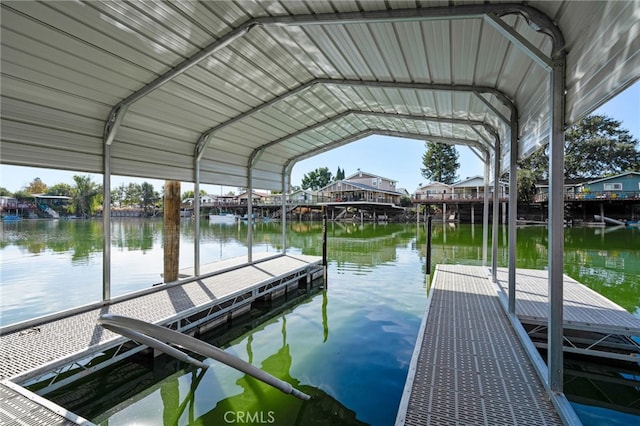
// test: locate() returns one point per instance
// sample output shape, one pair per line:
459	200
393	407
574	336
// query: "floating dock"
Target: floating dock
63	347
592	324
469	364
18	406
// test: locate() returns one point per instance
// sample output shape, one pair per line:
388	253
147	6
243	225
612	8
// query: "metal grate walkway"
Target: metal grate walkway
19	406
469	367
42	347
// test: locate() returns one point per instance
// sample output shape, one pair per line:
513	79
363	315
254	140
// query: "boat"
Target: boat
11	218
222	217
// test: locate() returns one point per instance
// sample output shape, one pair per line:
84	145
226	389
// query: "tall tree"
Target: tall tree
148	196
339	174
132	196
84	196
594	147
316	179
36	187
118	195
60	189
440	162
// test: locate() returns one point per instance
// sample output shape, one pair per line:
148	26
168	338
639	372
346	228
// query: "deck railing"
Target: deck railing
594	196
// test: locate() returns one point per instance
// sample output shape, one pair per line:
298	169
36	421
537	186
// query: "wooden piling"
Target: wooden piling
171	230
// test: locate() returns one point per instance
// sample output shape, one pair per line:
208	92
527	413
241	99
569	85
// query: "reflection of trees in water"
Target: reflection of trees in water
262	402
80	237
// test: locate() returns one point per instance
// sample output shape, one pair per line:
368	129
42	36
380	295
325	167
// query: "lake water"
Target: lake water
349	346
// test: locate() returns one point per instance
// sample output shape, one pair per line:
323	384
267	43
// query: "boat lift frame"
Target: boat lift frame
491	14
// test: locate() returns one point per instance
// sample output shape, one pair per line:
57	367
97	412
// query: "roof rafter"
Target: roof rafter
471	123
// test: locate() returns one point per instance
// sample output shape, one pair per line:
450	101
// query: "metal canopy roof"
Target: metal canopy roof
167	89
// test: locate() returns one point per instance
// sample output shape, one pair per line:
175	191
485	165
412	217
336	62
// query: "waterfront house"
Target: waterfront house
8	203
622	186
256	197
302	196
362	187
573	188
471	188
433	191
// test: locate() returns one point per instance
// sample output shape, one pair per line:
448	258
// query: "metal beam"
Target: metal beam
205	137
382	132
283	218
493	108
196	211
359	113
520	42
556	226
106	224
485	209
513	213
496	212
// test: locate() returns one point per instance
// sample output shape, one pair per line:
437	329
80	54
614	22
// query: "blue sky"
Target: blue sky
394	158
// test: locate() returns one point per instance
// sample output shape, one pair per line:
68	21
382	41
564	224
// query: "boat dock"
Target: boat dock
60	348
469	366
19	406
592	324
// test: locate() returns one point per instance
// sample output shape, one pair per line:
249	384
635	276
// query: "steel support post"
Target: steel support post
106	224
196	212
496	213
556	226
249	214
513	213
485	210
283	215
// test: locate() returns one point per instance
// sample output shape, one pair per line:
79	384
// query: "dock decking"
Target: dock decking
19	406
583	308
592	324
41	347
469	366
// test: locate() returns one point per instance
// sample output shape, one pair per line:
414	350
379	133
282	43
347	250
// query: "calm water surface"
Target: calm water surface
349	347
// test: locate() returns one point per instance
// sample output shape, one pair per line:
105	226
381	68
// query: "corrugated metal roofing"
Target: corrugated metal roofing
288	79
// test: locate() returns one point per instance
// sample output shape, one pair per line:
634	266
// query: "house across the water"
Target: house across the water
362	187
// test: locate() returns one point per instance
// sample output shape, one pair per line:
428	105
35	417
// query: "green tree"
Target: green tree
4	192
85	196
36	187
594	147
440	162
148	196
316	179
190	194
22	195
526	185
118	195
339	174
59	189
132	195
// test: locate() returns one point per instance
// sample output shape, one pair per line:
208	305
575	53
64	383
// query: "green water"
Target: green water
349	347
